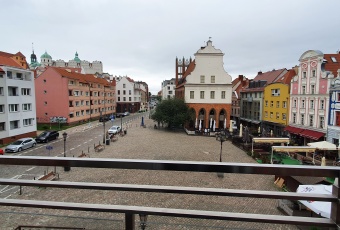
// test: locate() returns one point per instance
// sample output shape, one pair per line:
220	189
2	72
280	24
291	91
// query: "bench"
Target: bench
99	147
113	138
82	155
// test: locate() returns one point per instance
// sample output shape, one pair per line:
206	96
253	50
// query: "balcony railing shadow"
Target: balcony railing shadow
189	166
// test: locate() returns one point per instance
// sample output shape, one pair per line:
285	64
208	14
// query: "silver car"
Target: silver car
21	144
114	130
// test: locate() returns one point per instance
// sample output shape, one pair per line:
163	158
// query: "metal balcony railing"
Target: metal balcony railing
188	166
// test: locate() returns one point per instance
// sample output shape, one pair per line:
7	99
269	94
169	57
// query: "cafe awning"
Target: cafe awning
271	140
293	130
293	149
311	134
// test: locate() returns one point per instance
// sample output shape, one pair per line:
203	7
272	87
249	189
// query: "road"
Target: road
79	139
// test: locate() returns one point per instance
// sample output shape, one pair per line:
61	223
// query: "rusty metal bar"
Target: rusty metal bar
193	166
172	189
274	219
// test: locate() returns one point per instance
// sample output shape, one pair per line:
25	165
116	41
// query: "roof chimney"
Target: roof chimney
260	72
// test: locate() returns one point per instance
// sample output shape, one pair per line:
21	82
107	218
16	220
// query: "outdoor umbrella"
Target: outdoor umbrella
225	123
196	124
214	126
241	127
231	126
200	126
319	207
211	123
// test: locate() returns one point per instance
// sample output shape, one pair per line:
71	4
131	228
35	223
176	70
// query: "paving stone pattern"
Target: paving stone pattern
155	144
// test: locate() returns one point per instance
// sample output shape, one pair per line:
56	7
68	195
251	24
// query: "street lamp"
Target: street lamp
66	168
143	218
221	137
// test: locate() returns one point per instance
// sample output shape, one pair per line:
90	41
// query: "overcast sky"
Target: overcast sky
142	38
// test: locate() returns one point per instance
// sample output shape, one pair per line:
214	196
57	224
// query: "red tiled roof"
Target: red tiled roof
190	68
8	61
330	65
287	77
269	76
19	54
4	54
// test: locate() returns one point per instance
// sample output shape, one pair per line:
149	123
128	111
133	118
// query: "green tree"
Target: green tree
173	112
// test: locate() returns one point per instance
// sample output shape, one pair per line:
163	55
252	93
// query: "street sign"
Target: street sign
49	147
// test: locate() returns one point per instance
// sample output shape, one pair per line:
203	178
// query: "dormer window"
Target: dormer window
333	59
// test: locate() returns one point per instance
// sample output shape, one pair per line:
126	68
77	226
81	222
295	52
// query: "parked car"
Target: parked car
47	136
126	114
1	152
104	118
114	129
21	144
119	114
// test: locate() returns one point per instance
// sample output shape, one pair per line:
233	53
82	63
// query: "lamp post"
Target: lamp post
143	218
221	137
66	168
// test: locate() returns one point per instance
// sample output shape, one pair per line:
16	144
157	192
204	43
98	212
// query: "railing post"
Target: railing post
335	207
129	221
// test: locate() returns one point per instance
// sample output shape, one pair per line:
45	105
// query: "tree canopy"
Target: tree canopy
173	112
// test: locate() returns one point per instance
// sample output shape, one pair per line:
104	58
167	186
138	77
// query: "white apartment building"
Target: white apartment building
17	104
128	96
168	88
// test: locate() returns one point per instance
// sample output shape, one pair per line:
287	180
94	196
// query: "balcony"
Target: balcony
125	214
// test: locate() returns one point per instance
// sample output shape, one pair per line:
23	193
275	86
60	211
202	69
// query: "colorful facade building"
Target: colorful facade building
17	99
206	88
71	97
238	84
276	106
252	98
309	100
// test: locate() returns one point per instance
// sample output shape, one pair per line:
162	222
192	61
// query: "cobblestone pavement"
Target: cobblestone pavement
154	144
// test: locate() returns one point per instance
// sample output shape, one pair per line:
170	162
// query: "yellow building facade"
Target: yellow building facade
275	109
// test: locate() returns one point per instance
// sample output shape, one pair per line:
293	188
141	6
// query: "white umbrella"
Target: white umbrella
271	133
225	123
211	123
323	161
319	207
259	130
231	126
214	126
200	126
241	129
196	124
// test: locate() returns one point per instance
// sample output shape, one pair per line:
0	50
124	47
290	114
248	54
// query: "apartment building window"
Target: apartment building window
14	124
170	92
277	115
312	104
303	89
25	91
124	92
70	82
271	104
275	92
124	98
284	104
201	94
284	116
223	95
311	120
271	114
81	102
303	104
28	122
277	104
13	91
130	91
118	98
129	98
266	113
304	74
192	94
13	108
312	89
124	85
212	94
322	104
212	79
294	118
202	79
2	108
266	103
2	126
313	73
26	107
77	114
302	119
1	91
76	93
77	103
9	74
322	122
118	92
294	104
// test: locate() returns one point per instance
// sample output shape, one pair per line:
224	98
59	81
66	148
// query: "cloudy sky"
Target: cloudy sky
142	38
